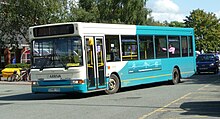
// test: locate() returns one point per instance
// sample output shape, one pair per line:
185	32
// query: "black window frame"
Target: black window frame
112	52
129	42
148	51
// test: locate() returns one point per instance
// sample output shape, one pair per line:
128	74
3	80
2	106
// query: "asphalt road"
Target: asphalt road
196	97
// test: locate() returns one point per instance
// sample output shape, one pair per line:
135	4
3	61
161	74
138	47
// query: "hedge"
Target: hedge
18	65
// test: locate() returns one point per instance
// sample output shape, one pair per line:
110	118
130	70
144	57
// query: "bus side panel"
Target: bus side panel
186	65
156	70
142	72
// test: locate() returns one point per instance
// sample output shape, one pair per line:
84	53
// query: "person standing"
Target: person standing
171	49
7	56
13	59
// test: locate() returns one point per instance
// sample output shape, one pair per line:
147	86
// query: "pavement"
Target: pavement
3	81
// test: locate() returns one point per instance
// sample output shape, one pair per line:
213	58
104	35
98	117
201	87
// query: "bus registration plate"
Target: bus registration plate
54	90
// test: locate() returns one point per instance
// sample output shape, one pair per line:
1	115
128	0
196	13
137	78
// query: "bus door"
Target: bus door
95	63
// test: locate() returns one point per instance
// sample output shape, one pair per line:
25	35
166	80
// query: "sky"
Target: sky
177	10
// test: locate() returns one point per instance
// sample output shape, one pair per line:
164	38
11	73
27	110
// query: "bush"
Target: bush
18	65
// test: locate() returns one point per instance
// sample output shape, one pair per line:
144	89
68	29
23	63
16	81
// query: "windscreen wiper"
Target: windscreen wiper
59	59
46	59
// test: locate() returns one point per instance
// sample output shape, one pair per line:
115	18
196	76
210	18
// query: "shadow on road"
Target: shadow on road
143	86
31	96
206	108
205	78
47	96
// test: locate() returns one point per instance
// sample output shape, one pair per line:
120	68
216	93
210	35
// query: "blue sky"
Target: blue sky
177	10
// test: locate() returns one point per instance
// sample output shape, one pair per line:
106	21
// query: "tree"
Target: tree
176	24
111	11
84	11
123	11
17	16
207	29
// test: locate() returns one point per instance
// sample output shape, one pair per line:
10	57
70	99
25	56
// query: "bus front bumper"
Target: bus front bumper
37	87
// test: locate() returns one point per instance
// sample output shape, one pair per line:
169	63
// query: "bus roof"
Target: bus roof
163	30
82	28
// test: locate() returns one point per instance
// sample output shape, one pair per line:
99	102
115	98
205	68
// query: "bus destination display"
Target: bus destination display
53	30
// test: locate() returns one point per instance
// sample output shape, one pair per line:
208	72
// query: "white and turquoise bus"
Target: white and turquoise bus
86	57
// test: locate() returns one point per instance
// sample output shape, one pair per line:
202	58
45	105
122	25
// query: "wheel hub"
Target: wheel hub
112	84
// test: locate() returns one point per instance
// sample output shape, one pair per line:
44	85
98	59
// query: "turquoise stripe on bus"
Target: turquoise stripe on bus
159	30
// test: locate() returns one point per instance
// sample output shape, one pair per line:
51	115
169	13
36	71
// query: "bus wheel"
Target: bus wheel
113	84
176	76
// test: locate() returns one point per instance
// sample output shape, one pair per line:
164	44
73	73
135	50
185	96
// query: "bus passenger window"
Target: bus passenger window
146	47
129	48
184	44
174	46
112	48
190	46
161	46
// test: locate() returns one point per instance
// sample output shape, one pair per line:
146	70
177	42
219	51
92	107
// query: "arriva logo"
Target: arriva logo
55	76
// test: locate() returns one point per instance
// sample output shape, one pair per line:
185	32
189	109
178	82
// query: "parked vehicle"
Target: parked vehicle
218	55
207	63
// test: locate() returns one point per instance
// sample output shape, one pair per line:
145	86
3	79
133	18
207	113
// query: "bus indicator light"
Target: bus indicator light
78	81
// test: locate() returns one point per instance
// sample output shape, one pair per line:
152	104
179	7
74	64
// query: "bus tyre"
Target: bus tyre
176	76
113	84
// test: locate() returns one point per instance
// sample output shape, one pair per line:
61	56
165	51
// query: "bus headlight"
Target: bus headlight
80	81
34	83
211	64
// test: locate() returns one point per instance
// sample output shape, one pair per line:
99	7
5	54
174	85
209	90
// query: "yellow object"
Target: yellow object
91	41
6	72
72	64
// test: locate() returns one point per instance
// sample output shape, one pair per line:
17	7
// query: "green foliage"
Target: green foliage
85	11
18	65
207	29
111	11
16	16
176	24
172	24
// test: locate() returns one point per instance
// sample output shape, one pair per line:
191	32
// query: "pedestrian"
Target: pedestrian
7	56
13	59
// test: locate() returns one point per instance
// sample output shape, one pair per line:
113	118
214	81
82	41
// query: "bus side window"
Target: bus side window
174	46
161	46
146	47
112	48
184	44
190	41
129	47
